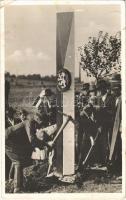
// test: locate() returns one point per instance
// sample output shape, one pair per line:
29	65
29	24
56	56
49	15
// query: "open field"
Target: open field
24	96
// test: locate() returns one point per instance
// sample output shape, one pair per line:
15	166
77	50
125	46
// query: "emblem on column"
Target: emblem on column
63	80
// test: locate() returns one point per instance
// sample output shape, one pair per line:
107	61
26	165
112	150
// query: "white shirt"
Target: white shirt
11	121
117	100
104	97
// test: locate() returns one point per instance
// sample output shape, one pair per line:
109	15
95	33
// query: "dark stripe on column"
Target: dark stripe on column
59	63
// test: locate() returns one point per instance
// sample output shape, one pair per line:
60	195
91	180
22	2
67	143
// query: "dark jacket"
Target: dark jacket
8	124
23	136
105	115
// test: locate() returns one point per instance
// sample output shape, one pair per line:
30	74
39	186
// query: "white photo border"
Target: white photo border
63	196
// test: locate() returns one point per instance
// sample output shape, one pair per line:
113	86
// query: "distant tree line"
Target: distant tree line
31	77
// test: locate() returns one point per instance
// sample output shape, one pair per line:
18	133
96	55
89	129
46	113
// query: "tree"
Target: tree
100	57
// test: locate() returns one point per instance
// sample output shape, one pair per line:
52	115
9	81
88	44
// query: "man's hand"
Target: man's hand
40	134
92	141
97	107
50	144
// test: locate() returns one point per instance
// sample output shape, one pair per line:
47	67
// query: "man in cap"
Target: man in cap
104	117
87	132
87	126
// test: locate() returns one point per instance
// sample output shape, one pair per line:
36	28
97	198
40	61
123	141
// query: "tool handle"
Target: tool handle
61	129
70	117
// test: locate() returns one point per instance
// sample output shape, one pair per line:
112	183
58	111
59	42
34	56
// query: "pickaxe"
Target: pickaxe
68	118
90	150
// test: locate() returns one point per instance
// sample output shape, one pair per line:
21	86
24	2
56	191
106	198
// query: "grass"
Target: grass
24	96
92	182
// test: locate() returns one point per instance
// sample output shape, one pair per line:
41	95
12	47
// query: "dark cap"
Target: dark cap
116	77
85	86
115	81
102	84
48	92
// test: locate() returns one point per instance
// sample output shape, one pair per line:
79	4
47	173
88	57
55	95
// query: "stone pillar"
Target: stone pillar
65	57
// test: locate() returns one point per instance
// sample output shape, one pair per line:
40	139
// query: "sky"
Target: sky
30	34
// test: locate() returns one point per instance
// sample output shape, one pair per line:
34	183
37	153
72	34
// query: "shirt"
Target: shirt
104	97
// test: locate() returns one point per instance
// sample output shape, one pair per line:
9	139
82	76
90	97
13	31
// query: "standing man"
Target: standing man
87	125
82	102
115	156
105	119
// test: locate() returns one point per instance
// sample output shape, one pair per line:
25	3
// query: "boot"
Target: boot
18	178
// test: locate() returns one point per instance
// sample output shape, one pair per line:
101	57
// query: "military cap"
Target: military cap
85	86
115	81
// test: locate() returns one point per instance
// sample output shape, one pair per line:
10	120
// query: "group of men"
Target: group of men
98	117
98	112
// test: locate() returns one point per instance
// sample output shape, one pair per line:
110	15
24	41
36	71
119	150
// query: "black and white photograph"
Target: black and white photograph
63	102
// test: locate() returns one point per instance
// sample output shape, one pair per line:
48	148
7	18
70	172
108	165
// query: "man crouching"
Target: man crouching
20	142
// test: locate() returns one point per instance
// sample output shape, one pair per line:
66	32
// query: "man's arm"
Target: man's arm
30	129
13	130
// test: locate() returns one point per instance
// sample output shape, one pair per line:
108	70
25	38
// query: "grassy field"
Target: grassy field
34	180
24	96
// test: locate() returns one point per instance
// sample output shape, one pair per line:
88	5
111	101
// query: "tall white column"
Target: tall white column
66	59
